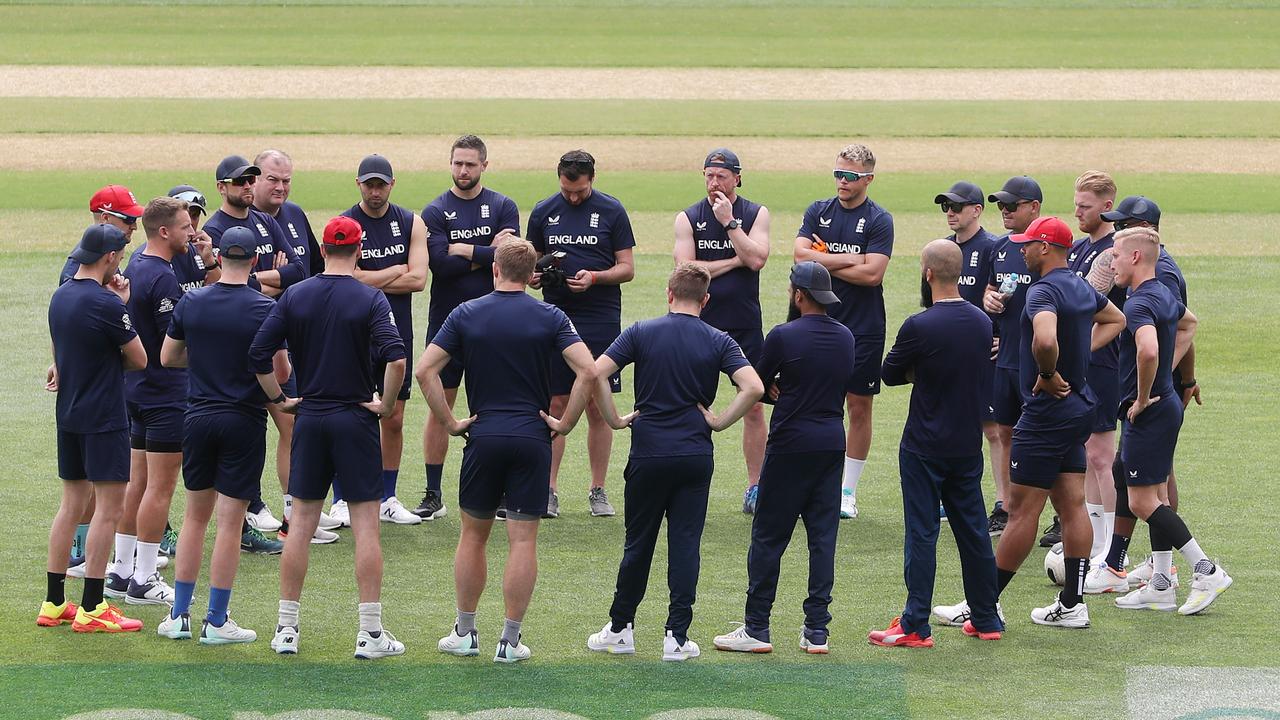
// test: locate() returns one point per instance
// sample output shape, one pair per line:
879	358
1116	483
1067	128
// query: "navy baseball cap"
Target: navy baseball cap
234	167
238	243
813	277
191	195
1135	207
98	240
961	192
1016	189
724	158
374	166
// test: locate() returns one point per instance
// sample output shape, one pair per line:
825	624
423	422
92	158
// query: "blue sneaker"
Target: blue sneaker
116	587
749	500
255	542
169	542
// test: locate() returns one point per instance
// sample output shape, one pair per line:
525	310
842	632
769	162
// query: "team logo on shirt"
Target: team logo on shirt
395	228
862	223
553	219
973	260
292	230
373	253
199	261
484	211
1023	278
715	244
595	220
1071	258
824	222
262	231
166	305
572	327
1000	256
128	322
468	233
702	226
1133	473
836	247
450	215
391	316
573	239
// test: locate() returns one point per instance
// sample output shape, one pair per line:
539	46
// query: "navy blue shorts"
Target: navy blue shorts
494	466
155	429
1006	397
751	341
1105	384
1147	444
451	374
868	353
1039	456
598	339
100	457
986	385
225	451
343	447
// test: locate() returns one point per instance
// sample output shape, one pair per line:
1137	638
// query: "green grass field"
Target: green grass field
1222	227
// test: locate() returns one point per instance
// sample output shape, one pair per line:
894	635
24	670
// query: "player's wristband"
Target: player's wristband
278	399
1189	384
593	278
1048	375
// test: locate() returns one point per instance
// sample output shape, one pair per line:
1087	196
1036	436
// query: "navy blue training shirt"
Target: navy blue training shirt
188	267
863	230
1007	260
336	326
735	295
811	360
590	234
506	341
1075	302
385	243
1168	272
678	360
1151	303
1080	261
297	230
271	239
153	294
947	346
218	324
976	254
89	324
451	219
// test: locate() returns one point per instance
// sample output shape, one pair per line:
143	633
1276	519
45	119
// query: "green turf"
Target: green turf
637	36
837	118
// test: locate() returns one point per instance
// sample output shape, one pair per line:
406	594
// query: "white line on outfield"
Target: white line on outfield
636	83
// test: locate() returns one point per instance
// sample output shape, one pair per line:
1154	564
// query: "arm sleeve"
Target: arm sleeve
623	350
1041	299
880	236
269	339
447	337
566	333
1100	301
176	330
1138	312
731	358
902	356
116	322
441	263
624	237
770	362
534	233
294	271
810	222
165	295
385	338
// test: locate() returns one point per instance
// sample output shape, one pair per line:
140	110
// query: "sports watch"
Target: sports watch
732	224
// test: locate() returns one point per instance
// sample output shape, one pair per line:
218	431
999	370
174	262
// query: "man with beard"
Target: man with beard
278	265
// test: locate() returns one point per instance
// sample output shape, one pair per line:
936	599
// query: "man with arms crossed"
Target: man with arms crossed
337	329
729	236
509	339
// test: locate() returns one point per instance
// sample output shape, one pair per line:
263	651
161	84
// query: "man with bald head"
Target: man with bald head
940	351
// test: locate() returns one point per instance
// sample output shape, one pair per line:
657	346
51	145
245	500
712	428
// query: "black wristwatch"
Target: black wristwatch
278	399
1048	375
1189	384
732	224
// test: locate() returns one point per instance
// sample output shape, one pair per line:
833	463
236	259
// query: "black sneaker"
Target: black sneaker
1052	534
997	522
116	587
431	507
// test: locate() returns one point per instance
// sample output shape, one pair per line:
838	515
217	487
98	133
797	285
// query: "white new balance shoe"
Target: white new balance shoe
1104	579
229	634
324	537
1058	616
675	652
848	505
328	522
461	645
393	512
508	653
263	520
1205	589
286	640
616	643
1148	598
957	615
155	591
739	640
340	513
369	647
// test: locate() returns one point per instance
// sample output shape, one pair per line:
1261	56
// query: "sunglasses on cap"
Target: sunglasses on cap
1127	223
948	206
1011	207
850	176
242	180
127	219
191	197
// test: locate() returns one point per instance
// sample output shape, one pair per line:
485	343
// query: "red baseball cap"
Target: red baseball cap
116	199
1050	230
342	230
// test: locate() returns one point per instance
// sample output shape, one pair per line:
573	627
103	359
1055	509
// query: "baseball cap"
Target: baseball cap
1046	229
1018	188
238	243
342	230
191	195
116	199
234	167
961	192
729	162
374	166
813	277
98	240
1134	207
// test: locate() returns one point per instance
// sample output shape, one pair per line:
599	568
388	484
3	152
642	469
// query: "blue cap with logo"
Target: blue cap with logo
238	243
374	166
813	277
234	167
724	158
1135	207
1017	189
98	240
962	192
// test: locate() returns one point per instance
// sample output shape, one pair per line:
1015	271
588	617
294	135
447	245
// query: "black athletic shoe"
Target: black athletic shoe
996	522
1052	534
431	507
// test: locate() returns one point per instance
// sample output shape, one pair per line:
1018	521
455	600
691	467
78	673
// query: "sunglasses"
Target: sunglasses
243	180
127	219
191	197
1011	207
1127	223
849	175
948	206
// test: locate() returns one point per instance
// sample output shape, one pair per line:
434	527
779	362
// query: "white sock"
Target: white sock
1109	523
288	506
371	617
146	564
852	473
125	546
1099	524
1196	558
1162	563
288	616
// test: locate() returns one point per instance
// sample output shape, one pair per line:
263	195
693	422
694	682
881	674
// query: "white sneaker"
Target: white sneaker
263	520
958	615
286	640
616	643
155	591
461	645
1058	616
1148	598
739	641
1103	579
324	537
162	562
340	513
1204	590
369	647
175	628
672	652
230	633
393	512
77	570
814	642
848	505
508	653
1141	575
328	522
